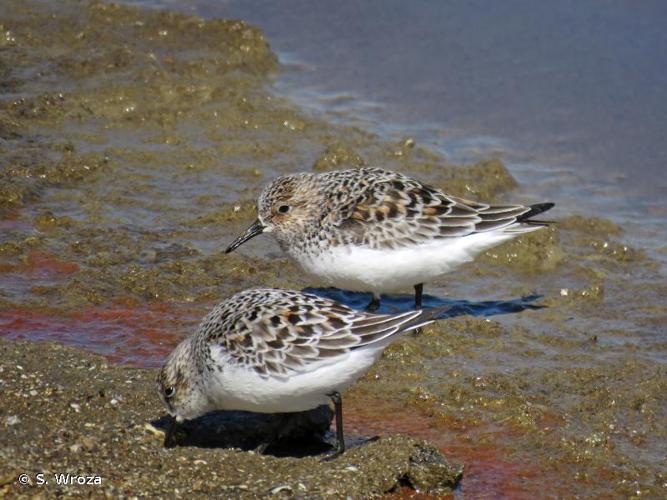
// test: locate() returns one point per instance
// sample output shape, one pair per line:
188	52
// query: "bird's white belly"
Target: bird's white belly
366	269
240	388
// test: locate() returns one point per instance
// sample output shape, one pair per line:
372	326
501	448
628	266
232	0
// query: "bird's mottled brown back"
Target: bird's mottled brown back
383	209
275	332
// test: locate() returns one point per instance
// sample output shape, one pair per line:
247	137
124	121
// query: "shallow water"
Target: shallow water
573	95
129	165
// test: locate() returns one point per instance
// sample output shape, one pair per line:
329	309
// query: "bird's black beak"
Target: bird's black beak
170	435
251	232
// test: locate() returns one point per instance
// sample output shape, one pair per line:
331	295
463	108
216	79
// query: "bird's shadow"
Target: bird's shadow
298	434
392	304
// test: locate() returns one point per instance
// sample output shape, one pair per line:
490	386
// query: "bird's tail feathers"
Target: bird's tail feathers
426	317
536	209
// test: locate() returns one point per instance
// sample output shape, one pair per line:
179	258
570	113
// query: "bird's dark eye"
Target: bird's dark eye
283	209
169	392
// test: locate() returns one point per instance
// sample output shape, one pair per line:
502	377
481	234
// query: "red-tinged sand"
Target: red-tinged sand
40	264
492	470
141	336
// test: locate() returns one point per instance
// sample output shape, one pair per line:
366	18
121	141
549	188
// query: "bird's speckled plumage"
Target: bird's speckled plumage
379	209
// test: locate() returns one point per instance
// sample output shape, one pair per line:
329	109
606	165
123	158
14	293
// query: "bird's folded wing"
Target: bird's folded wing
403	212
294	334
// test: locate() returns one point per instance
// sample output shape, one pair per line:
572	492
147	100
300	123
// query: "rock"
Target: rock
430	471
12	420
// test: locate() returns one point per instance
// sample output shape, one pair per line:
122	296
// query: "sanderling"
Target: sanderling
373	230
277	351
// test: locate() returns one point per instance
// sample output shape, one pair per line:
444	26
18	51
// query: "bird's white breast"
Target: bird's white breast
379	270
241	388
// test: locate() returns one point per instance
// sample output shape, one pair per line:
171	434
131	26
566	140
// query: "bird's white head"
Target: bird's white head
285	208
178	387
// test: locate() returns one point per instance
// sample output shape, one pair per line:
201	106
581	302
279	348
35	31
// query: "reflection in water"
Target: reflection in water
405	302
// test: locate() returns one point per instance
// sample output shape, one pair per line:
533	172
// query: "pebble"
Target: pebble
153	430
12	420
88	443
278	489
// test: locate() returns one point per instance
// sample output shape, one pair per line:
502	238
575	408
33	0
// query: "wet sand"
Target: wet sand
133	145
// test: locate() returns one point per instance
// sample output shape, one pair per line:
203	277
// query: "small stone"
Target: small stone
88	442
154	430
12	420
282	487
76	407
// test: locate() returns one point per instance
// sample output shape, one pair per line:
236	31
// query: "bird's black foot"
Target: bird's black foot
374	304
333	455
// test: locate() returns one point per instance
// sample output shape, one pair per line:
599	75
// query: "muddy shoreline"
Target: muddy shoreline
133	144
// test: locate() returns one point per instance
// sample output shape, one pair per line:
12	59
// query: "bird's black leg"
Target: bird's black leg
338	405
170	435
374	304
340	437
419	290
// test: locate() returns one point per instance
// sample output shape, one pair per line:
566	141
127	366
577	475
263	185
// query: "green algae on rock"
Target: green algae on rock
482	181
